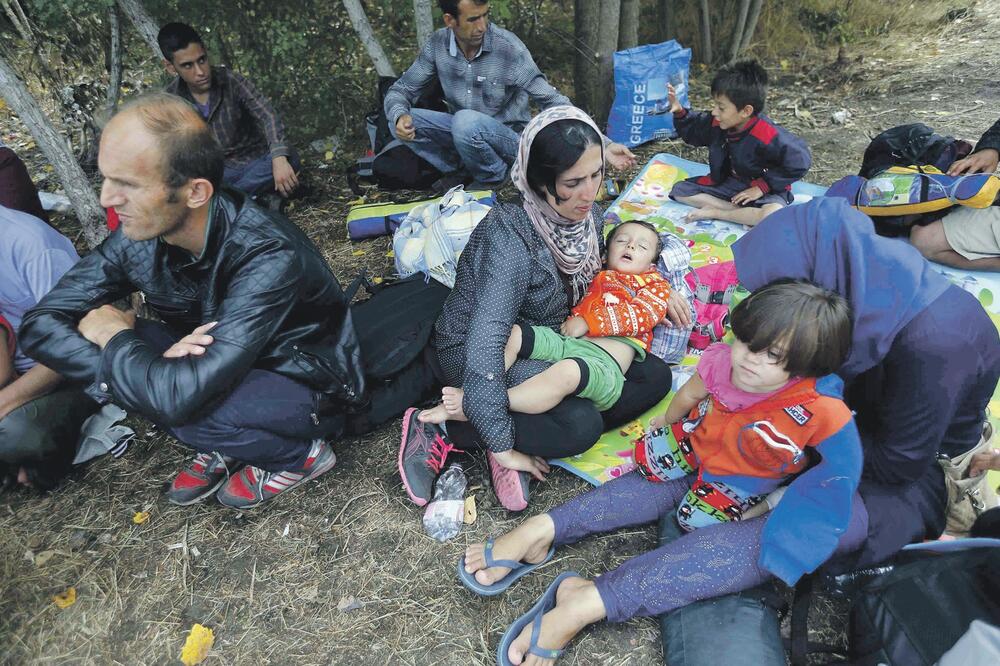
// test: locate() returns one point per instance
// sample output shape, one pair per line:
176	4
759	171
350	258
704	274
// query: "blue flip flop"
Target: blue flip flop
534	617
517	570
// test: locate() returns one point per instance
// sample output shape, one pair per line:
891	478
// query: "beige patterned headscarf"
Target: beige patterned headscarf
573	243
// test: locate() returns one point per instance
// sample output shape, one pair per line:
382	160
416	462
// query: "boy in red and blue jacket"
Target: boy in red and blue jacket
753	162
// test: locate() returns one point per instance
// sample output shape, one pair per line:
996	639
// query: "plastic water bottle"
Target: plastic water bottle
443	516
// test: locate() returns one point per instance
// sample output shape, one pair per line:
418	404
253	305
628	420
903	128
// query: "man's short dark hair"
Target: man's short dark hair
811	324
189	149
555	149
743	82
176	36
641	223
451	6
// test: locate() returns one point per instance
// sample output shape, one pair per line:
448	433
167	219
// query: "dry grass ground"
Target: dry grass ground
277	584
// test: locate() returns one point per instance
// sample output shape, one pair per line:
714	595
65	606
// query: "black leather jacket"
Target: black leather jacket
278	305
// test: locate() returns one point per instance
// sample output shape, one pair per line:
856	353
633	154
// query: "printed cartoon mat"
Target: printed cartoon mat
646	198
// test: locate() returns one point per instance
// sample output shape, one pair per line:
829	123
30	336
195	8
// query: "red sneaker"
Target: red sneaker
252	485
202	477
510	485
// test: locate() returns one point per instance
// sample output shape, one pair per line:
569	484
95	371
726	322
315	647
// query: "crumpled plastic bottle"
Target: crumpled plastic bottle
443	516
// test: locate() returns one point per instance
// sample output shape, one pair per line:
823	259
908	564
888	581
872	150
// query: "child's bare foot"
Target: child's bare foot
577	604
707	213
528	542
436	414
451	398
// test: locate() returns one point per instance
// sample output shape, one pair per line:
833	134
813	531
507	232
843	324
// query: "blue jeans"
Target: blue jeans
265	420
256	177
736	630
484	147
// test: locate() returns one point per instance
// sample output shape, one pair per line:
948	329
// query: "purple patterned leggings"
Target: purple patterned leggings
708	562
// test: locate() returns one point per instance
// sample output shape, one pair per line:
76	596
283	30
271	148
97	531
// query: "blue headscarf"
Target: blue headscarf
886	281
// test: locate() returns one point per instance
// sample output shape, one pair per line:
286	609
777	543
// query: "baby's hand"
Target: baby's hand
747	196
611	299
574	327
675	106
658	422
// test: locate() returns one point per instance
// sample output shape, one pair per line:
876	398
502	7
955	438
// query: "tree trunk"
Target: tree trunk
53	145
143	23
755	8
114	59
738	29
424	20
628	30
706	32
586	20
18	19
665	19
364	29
607	44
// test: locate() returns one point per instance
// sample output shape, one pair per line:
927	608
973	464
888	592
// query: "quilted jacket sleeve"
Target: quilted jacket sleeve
48	332
623	316
262	291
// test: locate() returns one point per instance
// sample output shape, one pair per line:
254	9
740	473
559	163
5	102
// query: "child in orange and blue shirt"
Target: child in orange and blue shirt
609	328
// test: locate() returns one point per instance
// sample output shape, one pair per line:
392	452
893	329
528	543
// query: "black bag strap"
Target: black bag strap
360	279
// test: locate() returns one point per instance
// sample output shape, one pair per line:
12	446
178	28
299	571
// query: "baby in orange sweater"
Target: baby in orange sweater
609	328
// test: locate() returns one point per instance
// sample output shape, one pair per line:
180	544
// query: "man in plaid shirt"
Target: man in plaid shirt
249	130
488	77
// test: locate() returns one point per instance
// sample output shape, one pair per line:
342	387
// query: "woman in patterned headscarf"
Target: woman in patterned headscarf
525	264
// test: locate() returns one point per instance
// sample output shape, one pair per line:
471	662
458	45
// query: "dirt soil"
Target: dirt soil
340	571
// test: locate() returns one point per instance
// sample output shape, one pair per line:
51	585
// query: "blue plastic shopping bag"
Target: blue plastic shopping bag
640	111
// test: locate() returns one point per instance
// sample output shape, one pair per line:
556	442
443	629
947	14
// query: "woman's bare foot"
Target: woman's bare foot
436	414
528	542
577	604
701	214
451	398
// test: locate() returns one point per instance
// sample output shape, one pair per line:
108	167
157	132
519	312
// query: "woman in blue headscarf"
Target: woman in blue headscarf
924	362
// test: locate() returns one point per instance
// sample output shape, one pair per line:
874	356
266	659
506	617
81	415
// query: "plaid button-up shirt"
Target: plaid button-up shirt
241	118
498	81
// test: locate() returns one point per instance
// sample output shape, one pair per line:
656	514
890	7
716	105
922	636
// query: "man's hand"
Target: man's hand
675	106
678	311
285	178
619	157
521	462
404	128
983	462
100	325
192	344
574	327
981	161
748	195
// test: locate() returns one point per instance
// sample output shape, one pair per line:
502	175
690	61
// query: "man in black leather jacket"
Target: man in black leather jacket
256	396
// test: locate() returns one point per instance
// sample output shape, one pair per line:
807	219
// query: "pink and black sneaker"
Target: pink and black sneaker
253	485
422	455
202	477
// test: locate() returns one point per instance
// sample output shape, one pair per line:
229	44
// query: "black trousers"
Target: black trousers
41	436
574	425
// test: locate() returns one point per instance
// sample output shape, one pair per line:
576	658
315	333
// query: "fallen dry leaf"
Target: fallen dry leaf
358	253
43	557
470	510
140	517
65	599
196	647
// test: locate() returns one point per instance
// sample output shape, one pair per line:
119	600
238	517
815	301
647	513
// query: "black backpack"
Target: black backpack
394	326
908	612
911	145
393	166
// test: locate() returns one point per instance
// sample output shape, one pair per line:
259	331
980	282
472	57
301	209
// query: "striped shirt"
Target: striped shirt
241	118
498	81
